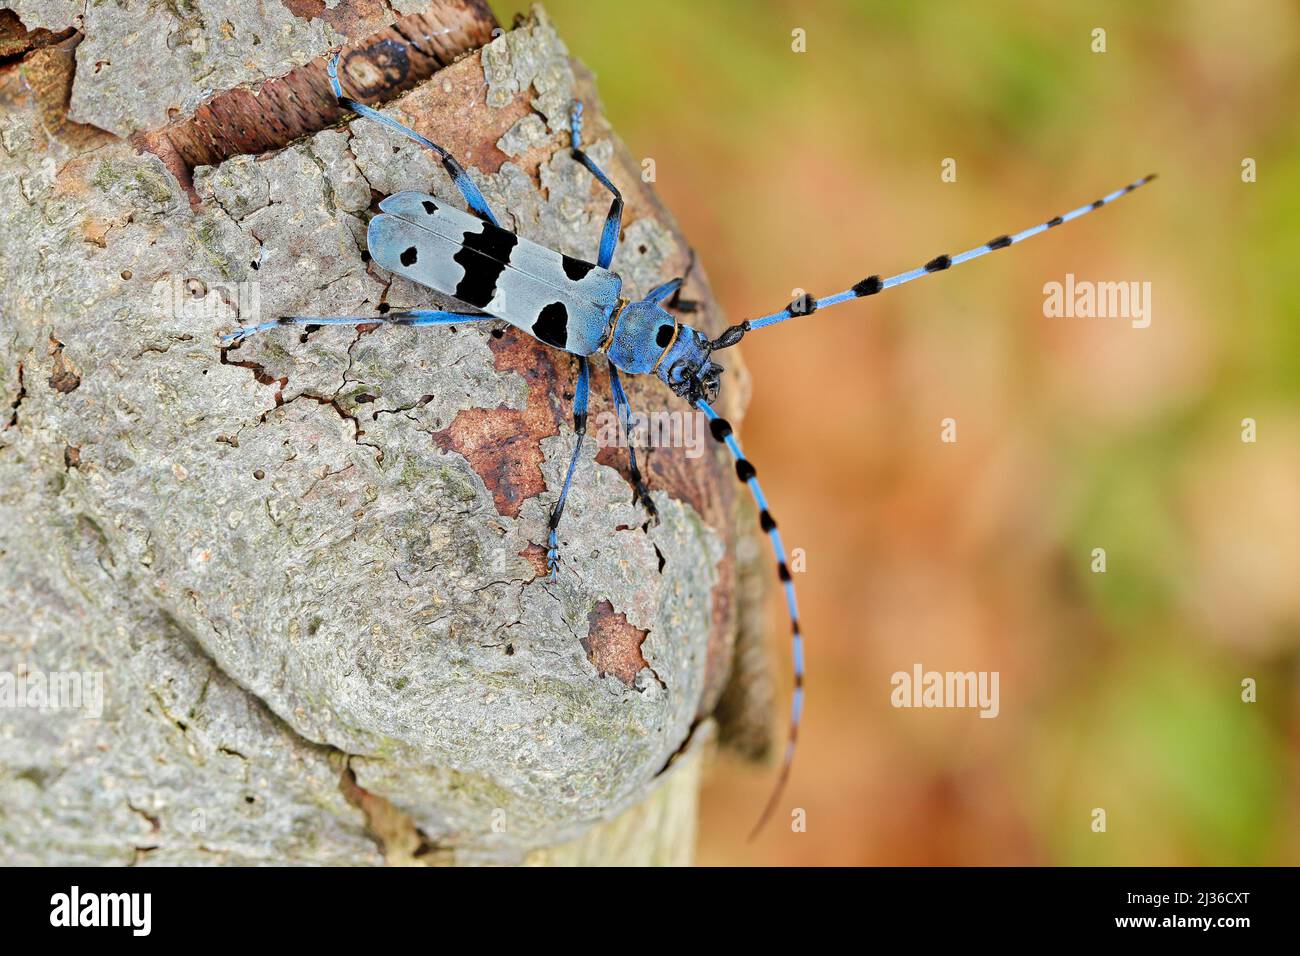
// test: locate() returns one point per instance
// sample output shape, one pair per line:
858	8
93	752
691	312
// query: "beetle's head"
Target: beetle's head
687	369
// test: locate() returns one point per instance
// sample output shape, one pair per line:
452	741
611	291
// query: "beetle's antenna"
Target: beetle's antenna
807	305
721	430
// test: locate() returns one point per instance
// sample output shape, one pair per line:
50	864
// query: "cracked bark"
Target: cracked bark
324	625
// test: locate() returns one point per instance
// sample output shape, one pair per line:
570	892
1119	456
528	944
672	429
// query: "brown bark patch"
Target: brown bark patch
95	231
47	74
504	445
64	376
349	17
393	830
535	555
613	645
16	39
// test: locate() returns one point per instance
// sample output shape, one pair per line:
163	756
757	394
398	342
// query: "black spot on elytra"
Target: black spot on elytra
409	256
429	206
576	269
664	336
483	255
552	325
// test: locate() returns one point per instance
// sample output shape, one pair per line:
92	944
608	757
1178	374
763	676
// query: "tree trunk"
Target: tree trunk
307	574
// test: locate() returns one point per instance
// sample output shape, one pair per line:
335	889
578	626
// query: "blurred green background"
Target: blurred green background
1119	690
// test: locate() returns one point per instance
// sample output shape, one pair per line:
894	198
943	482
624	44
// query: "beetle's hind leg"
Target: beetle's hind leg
407	317
623	408
580	394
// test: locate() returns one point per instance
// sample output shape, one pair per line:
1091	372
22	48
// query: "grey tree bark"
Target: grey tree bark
308	572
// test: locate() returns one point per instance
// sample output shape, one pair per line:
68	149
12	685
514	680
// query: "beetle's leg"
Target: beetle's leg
454	169
614	220
407	317
677	303
624	410
579	426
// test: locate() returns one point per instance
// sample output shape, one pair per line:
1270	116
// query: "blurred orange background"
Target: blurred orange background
1119	690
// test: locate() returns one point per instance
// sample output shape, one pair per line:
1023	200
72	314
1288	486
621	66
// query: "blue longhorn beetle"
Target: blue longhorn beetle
576	306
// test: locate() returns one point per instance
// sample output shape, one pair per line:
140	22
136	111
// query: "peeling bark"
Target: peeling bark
309	568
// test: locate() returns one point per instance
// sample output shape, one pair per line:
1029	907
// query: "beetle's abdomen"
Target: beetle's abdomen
562	301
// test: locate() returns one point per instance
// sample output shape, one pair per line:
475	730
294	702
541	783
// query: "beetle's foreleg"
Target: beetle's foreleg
677	303
580	426
614	219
